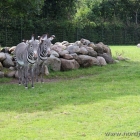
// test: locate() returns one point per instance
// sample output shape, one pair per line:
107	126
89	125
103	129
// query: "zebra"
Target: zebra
43	54
26	58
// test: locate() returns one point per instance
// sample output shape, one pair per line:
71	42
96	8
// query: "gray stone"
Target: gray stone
12	68
16	74
63	52
8	63
83	50
98	48
107	58
85	41
92	53
1	66
58	47
68	56
52	52
1	74
73	49
53	63
11	74
78	43
46	70
101	61
74	55
69	64
2	56
87	61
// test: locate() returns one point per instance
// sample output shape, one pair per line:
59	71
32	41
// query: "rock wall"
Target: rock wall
64	56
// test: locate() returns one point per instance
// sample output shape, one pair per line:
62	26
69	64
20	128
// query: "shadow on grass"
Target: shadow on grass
108	83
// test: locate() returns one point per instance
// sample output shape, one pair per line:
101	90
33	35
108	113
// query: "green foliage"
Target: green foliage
59	10
109	21
18	8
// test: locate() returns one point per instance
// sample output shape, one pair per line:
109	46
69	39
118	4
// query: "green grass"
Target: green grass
81	104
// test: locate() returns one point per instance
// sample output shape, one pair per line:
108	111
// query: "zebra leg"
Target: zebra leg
26	77
19	77
37	72
32	77
42	72
19	74
22	75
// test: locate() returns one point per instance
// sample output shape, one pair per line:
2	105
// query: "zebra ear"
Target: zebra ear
52	37
32	38
45	37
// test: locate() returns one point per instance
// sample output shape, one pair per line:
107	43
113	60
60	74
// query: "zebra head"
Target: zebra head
32	51
44	48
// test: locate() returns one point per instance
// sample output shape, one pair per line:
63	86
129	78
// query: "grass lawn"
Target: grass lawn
96	103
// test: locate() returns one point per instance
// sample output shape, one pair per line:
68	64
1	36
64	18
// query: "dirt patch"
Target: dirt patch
15	81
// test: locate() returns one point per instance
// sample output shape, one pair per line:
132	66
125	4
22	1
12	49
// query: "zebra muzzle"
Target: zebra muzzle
35	56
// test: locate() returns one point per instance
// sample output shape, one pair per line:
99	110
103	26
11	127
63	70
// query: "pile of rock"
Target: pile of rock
64	56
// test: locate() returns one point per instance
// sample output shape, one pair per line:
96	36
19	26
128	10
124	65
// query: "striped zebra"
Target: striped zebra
43	53
26	58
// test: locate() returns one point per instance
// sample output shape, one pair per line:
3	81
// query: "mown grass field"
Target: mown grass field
84	104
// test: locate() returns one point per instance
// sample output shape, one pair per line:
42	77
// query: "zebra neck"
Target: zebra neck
43	57
30	60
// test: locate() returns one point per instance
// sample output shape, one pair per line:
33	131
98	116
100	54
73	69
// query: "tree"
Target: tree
18	8
59	9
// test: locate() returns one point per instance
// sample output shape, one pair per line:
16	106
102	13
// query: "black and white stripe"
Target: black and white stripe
26	57
43	53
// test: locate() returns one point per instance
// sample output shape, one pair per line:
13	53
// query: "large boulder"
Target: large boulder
73	49
54	53
12	49
16	74
65	43
85	41
11	74
62	53
107	58
69	64
78	43
101	60
74	55
98	48
83	51
58	47
1	66
8	63
5	49
68	56
53	63
106	48
1	74
92	53
87	61
91	44
46	70
8	56
2	56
